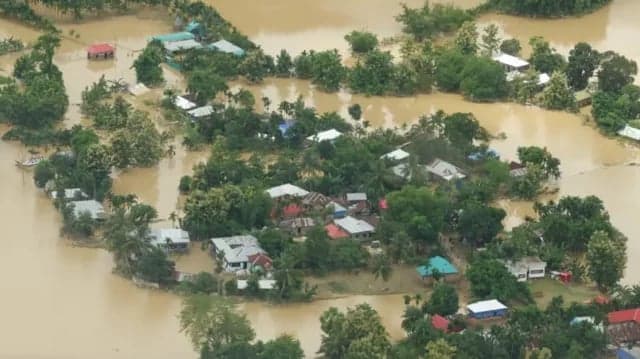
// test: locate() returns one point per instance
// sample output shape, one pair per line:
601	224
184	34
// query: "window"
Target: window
536	271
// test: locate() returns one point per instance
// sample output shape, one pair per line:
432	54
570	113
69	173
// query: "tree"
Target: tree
480	223
284	64
361	41
583	60
489	278
461	129
147	65
283	347
543	58
358	333
607	258
155	267
327	70
302	64
558	95
543	8
490	40
256	65
355	111
440	349
483	80
429	21
541	157
381	267
212	321
316	249
511	47
443	300
372	75
43	173
450	65
466	40
204	85
616	71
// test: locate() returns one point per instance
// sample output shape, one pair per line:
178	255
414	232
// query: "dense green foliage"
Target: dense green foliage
489	278
147	65
483	80
583	61
361	41
544	8
431	20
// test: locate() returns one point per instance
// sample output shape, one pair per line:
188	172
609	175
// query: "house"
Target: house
583	98
286	190
628	353
292	210
445	170
356	197
486	309
511	63
441	323
630	132
527	268
93	207
183	104
338	210
329	135
236	251
297	226
173	37
101	51
170	239
356	228
285	126
396	155
260	261
178	46
623	326
335	232
70	193
590	320
315	201
437	264
226	47
517	169
200	112
543	79
405	172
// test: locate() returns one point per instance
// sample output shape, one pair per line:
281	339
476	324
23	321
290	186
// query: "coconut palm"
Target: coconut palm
381	267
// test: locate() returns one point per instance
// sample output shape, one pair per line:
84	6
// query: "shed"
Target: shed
101	51
286	190
439	322
511	63
226	47
183	104
445	170
200	112
264	284
93	207
396	155
170	239
439	264
630	132
583	98
176	36
183	45
328	135
487	309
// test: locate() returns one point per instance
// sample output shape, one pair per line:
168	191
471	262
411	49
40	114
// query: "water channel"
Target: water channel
60	301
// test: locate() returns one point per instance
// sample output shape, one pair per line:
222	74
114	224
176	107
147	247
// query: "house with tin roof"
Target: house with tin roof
355	228
486	309
236	251
286	190
437	264
445	170
170	239
91	206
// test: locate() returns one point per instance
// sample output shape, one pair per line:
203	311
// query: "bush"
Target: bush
361	41
449	70
186	184
202	282
483	80
231	287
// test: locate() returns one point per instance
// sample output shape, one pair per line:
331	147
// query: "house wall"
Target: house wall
489	314
536	272
235	266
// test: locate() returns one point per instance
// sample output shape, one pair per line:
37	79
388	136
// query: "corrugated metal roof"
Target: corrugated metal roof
630	132
328	135
95	208
226	47
354	226
512	61
286	189
445	170
486	306
183	103
356	197
182	45
396	155
175	235
622	316
201	111
176	36
442	265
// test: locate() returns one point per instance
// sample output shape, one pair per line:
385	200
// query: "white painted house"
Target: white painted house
356	228
69	193
170	239
511	63
527	268
236	251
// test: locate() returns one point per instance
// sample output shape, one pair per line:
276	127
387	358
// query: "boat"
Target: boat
30	162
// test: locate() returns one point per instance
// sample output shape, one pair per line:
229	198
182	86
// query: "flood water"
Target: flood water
66	299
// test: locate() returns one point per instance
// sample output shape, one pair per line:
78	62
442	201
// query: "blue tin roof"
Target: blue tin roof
438	263
176	36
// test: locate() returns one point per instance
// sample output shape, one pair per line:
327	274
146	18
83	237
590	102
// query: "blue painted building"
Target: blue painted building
439	264
487	309
226	47
626	353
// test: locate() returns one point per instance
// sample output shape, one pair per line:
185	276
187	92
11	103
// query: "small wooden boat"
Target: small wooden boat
30	162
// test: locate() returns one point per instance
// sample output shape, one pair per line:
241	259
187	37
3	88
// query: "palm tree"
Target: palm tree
381	267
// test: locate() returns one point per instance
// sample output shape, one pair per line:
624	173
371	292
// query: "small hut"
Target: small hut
100	51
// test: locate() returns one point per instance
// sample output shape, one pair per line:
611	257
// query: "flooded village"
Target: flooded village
67	298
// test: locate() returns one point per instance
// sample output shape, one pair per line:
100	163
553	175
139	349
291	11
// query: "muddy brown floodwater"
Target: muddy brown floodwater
60	301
